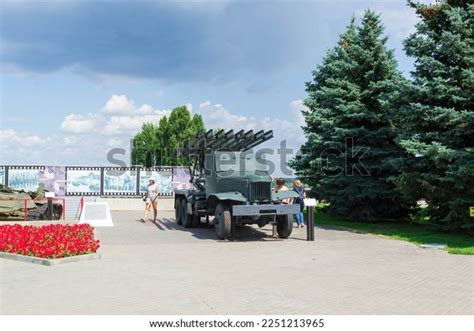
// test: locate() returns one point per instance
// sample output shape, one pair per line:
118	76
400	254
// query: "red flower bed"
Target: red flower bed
48	241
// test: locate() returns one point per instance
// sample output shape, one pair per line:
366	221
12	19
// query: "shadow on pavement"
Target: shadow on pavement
206	232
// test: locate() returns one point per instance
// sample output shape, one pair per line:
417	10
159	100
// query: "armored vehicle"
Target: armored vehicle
232	183
13	203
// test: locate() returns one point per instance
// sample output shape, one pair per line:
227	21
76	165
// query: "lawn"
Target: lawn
414	233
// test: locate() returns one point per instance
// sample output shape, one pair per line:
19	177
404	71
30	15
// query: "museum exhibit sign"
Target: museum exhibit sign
94	181
181	179
96	214
83	180
24	177
120	181
54	179
2	175
163	177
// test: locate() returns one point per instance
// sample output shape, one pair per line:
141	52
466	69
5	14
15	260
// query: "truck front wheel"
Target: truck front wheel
223	222
284	225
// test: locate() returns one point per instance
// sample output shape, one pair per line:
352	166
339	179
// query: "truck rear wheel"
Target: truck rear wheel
187	219
177	211
284	226
223	222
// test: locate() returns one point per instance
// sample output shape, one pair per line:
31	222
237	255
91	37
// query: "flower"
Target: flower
48	241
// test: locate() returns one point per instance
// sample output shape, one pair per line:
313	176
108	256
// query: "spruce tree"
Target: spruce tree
438	115
351	155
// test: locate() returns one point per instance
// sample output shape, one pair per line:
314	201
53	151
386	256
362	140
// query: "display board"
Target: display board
181	178
100	181
2	175
163	179
54	179
120	181
24	177
83	180
96	214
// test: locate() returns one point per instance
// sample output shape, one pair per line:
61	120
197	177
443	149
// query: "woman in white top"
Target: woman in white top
280	186
150	199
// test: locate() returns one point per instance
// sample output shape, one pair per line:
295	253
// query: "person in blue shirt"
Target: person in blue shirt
298	188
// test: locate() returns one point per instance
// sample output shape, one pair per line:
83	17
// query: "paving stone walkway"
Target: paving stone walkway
166	269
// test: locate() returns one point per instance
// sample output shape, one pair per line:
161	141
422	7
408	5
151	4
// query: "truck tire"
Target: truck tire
284	226
177	211
223	222
187	219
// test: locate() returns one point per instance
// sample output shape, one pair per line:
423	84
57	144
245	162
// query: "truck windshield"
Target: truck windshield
240	162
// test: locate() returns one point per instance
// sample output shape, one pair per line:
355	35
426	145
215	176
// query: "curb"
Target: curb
50	262
336	227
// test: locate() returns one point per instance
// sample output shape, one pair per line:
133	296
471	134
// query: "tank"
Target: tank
12	205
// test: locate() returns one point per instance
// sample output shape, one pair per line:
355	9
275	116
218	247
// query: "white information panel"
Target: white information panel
310	202
96	214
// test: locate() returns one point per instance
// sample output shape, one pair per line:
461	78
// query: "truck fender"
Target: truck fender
280	195
187	194
182	192
213	198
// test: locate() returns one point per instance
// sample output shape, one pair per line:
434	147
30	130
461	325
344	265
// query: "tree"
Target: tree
351	155
157	145
144	146
438	115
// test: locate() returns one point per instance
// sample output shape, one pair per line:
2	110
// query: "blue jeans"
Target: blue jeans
299	218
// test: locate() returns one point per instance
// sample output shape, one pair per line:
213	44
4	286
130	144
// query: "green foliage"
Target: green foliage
156	145
351	156
438	114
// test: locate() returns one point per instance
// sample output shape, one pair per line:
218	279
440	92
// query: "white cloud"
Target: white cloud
189	107
119	116
144	110
216	116
7	135
119	104
131	124
79	123
11	137
114	142
70	140
23	147
297	106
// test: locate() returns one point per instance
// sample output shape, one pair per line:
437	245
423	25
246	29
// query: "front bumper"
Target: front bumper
262	210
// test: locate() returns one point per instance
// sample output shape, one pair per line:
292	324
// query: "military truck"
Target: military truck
231	183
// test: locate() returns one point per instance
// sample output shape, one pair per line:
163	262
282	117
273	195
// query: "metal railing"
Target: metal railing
26	200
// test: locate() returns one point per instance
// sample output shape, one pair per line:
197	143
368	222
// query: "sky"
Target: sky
80	77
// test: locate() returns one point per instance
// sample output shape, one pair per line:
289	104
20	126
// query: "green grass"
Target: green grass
414	233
